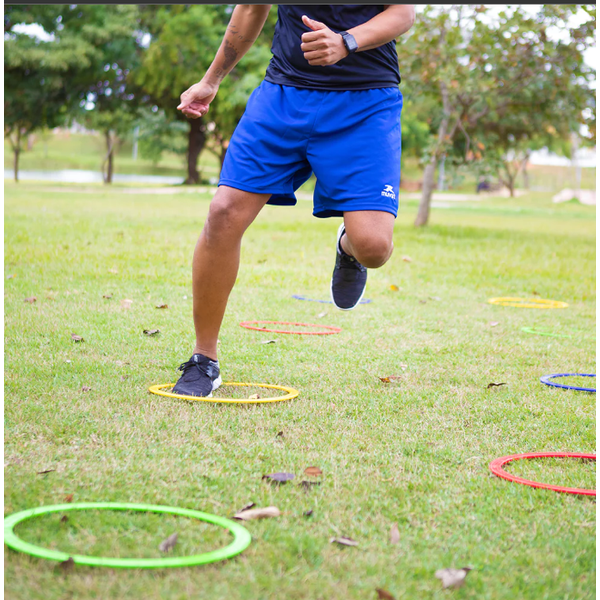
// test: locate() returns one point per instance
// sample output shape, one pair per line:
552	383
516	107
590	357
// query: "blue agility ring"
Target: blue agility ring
546	379
299	297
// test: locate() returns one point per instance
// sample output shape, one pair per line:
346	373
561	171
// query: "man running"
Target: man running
329	104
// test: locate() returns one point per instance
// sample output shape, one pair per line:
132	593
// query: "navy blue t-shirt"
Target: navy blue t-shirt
377	68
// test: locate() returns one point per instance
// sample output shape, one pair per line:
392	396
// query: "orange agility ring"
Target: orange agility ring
497	464
252	325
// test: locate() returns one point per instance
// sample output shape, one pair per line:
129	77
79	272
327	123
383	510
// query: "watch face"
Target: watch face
350	42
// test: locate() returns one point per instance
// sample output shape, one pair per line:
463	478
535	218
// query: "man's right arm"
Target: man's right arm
244	27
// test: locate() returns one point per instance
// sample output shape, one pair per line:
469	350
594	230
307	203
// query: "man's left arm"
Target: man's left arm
323	47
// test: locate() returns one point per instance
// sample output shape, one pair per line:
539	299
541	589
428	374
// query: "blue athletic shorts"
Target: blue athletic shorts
350	139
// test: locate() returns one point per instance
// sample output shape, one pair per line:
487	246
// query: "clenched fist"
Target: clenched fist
321	46
195	101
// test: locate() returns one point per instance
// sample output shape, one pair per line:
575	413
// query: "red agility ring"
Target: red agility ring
330	328
497	464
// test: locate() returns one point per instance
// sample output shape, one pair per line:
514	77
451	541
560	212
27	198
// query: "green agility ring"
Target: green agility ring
241	537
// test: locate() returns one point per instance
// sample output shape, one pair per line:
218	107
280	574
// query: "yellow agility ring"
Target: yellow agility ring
291	394
528	302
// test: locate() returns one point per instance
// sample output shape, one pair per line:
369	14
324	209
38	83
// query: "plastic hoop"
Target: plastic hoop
331	329
546	379
291	394
240	542
532	330
299	297
528	302
497	464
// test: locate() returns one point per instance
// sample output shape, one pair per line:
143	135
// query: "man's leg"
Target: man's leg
368	237
214	269
216	261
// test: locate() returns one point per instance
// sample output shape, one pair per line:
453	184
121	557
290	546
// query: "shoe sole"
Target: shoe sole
341	230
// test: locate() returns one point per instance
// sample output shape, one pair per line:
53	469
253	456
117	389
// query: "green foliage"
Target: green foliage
159	134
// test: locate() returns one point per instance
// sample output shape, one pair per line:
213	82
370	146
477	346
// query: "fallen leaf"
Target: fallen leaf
394	534
435	298
269	342
107	296
254	397
321	315
11	276
169	543
46	471
343	541
126	303
452	578
407	259
279	434
494	323
491	385
384	595
31	300
307	485
535	293
76	338
67	565
69	498
124	377
162	306
308	513
422	301
394	288
391	378
258	513
151	331
313	471
64	519
279	477
86	388
114	271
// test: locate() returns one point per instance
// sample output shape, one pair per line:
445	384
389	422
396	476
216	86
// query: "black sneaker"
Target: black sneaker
349	278
201	377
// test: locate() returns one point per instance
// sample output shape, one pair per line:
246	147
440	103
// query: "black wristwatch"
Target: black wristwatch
349	42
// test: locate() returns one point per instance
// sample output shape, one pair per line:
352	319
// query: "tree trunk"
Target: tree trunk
17	151
196	141
525	173
428	185
108	159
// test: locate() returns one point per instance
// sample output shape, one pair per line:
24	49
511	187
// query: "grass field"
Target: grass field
413	452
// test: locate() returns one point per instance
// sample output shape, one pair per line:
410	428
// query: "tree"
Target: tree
484	68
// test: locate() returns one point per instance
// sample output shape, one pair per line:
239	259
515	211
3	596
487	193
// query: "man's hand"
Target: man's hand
196	100
321	46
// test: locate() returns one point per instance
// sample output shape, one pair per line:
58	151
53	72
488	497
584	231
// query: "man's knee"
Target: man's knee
373	252
228	214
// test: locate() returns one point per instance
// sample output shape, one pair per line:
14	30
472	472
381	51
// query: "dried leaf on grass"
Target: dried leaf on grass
422	301
162	306
246	507
394	534
279	477
436	298
86	388
308	513
269	342
258	513
321	315
391	378
107	296
31	299
280	434
491	385
64	519
69	498
67	565
452	578
407	259
151	331
169	543
126	303
384	595
254	397
76	338
343	541
307	485
46	471
494	323
394	288
313	471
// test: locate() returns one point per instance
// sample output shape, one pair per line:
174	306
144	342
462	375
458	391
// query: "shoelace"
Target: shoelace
186	366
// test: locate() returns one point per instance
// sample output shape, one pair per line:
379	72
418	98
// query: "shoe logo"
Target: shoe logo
388	192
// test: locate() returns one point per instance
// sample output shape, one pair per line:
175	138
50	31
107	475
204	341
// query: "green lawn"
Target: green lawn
413	452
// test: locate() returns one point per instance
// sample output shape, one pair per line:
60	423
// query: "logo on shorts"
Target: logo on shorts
388	192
